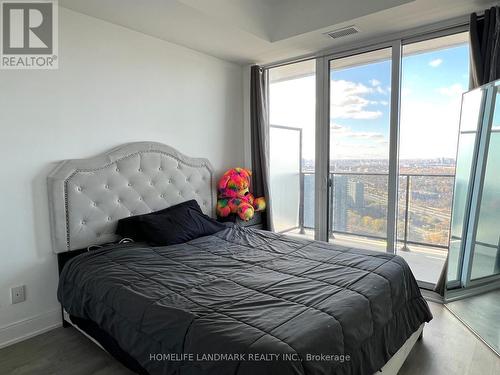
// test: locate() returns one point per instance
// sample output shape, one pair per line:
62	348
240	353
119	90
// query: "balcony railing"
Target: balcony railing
358	206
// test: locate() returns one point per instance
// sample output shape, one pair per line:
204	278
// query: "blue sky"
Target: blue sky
434	79
432	85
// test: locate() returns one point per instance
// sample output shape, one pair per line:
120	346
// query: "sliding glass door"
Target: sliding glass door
486	260
472	105
475	251
359	126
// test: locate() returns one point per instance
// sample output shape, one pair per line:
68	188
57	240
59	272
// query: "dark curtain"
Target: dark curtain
484	33
259	119
485	47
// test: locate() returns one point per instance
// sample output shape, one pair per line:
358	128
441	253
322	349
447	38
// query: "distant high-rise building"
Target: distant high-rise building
356	192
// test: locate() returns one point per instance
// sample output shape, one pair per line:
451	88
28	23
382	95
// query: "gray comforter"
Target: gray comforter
247	302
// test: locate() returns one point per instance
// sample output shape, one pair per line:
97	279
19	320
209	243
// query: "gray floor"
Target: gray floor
482	314
447	348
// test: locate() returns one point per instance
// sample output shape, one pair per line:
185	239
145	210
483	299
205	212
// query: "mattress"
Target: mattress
245	301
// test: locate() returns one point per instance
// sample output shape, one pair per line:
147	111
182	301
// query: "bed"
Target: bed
240	301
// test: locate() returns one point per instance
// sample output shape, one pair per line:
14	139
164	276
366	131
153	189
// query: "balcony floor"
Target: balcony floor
425	262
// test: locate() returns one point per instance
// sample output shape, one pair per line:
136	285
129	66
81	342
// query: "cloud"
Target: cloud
377	86
336	127
367	135
348	101
435	63
347	132
454	90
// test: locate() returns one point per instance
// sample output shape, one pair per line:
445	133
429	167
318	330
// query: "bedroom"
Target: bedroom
353	126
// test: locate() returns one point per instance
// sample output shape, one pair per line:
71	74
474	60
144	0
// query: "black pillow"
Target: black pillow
178	225
129	227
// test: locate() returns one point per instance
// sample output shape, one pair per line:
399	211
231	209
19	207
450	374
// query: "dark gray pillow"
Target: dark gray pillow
178	225
128	227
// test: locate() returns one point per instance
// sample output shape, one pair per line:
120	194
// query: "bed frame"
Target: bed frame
87	197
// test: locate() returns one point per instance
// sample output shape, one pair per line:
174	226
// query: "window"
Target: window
358	123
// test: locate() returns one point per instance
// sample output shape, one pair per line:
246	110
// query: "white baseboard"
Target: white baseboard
30	327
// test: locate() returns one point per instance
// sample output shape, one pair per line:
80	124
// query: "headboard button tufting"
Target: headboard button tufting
95	193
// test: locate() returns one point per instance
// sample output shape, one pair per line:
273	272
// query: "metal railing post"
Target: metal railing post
331	197
301	204
407	205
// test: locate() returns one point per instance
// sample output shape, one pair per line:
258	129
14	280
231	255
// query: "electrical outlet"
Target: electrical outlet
18	294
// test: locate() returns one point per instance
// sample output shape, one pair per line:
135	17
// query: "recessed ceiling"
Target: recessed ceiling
275	20
261	31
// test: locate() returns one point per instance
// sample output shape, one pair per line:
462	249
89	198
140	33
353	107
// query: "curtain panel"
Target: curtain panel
485	47
259	122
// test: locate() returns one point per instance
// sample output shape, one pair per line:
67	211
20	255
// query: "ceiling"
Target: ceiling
262	31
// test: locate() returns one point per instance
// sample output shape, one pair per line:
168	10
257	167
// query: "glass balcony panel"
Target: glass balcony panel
359	204
430	209
285	167
292	113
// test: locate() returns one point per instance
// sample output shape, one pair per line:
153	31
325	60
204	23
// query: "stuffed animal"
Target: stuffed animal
234	196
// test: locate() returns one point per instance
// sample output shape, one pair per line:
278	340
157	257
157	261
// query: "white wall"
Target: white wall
113	86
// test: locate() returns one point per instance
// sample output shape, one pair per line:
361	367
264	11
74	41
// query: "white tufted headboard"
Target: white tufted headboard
88	196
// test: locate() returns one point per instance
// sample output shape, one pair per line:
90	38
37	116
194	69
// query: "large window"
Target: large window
370	166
